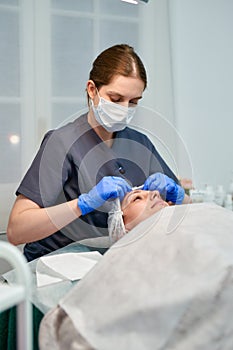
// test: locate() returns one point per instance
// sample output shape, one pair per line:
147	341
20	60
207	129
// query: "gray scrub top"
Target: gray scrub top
71	160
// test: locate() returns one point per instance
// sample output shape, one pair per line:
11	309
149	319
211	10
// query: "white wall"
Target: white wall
158	119
187	48
202	66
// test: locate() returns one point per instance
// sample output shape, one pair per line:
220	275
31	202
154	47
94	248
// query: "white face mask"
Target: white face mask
112	116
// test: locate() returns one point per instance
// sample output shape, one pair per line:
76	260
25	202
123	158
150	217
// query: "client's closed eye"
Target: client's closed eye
137	198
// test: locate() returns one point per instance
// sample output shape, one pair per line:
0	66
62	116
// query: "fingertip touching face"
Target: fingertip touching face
139	205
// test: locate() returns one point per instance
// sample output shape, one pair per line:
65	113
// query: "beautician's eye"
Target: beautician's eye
115	100
133	103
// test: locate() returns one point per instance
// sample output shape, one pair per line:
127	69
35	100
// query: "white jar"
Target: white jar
230	189
209	194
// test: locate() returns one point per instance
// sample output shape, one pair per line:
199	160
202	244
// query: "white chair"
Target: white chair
17	294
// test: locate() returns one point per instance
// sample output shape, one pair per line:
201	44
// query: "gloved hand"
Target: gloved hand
108	187
166	186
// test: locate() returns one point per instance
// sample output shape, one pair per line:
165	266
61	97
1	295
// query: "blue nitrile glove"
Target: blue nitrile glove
166	186
108	187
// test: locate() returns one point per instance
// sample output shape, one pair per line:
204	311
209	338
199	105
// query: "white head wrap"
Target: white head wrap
116	227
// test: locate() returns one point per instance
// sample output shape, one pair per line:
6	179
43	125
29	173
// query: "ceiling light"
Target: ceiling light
131	1
136	2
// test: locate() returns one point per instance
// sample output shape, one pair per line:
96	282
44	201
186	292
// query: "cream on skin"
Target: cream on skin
138	205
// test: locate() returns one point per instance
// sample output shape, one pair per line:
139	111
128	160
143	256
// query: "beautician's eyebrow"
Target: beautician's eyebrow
122	96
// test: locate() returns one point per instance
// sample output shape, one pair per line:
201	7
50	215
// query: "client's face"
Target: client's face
139	205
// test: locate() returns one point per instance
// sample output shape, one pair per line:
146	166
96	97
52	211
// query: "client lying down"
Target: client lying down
136	206
167	284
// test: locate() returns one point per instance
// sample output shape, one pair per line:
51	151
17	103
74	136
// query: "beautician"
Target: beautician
83	164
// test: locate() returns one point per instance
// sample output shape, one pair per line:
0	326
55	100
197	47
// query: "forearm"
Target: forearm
32	224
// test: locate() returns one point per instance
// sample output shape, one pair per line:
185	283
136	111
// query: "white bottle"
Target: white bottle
228	201
219	195
209	194
230	189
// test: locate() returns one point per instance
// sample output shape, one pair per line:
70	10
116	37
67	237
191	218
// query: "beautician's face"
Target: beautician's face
139	205
126	91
